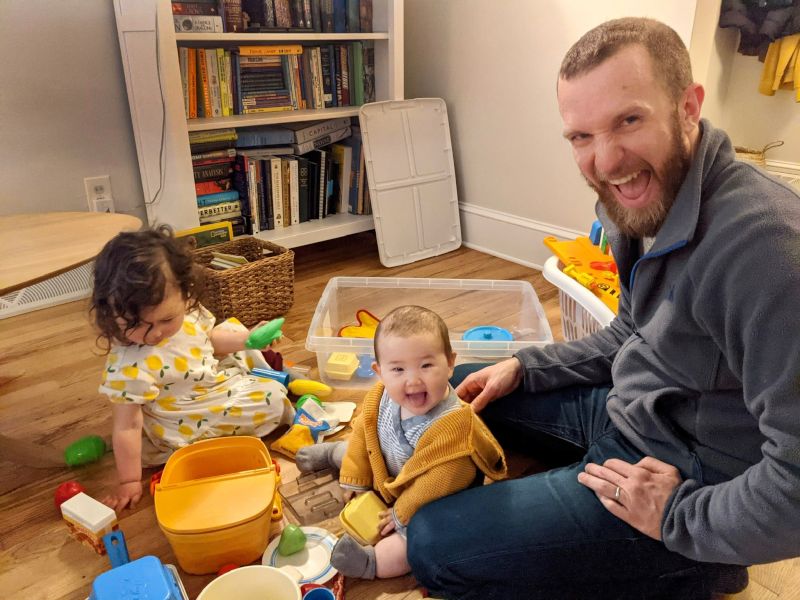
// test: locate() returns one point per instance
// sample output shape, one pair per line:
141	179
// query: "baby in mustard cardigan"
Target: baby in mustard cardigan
413	442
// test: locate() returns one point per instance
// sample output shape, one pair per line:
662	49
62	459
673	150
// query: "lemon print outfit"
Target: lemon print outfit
187	394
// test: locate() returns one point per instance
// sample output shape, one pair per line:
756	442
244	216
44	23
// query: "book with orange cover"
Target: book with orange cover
270	50
192	82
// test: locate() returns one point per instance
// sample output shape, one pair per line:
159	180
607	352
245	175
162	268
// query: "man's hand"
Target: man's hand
126	494
644	489
490	383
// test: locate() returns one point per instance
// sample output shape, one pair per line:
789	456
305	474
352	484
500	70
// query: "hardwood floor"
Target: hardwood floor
49	373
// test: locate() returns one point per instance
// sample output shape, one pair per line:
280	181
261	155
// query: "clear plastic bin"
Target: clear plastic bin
462	303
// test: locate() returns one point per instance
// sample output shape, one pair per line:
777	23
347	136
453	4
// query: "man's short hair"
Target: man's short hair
405	321
670	58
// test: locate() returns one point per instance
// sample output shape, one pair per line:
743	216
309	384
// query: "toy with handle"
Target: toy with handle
263	336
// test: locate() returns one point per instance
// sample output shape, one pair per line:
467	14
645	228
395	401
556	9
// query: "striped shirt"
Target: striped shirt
398	437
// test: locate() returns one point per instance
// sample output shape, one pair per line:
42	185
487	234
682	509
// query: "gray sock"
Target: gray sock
352	559
320	456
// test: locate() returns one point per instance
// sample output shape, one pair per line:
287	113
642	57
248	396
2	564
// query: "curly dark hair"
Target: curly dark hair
131	274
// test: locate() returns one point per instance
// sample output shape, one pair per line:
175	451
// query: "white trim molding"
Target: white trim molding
508	236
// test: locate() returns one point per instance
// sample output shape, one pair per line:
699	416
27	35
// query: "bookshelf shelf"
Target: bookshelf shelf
284	116
149	48
319	230
204	39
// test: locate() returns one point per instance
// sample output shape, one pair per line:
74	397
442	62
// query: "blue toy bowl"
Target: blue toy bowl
487	333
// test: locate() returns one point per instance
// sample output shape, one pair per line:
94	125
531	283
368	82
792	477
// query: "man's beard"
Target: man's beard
647	220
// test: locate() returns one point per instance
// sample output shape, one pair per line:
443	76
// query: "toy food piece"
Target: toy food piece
67	490
292	540
341	365
86	450
265	335
306	397
367	324
89	520
300	387
290	442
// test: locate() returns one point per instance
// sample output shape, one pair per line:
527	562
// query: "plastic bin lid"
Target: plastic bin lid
145	579
215	503
411	175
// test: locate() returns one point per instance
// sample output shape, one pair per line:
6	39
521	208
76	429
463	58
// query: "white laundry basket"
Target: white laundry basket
582	312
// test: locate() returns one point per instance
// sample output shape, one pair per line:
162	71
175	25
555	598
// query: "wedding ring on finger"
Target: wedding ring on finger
616	494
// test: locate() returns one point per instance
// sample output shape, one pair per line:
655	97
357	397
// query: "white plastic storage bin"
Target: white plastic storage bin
582	312
412	178
462	303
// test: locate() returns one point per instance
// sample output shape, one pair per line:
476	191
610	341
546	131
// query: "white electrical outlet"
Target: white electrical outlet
98	193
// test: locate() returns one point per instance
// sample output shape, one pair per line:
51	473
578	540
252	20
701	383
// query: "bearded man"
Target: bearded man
682	417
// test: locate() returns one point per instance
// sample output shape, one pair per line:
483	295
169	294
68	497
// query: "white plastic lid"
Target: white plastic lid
411	175
87	511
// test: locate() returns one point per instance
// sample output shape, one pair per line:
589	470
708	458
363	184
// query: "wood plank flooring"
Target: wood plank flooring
49	372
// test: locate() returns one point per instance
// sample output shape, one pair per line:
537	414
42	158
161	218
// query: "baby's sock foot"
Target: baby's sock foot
352	559
320	456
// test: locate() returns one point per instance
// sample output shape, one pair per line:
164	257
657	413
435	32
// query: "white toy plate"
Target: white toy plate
313	561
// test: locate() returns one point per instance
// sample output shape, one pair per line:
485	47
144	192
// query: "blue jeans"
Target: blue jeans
546	535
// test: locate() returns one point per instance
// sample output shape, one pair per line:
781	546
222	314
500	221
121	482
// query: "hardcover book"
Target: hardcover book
283	14
313	130
197	24
365	15
326	139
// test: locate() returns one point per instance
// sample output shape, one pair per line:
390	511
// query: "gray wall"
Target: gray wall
63	107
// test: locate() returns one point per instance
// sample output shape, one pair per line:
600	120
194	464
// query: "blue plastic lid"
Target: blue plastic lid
144	579
487	333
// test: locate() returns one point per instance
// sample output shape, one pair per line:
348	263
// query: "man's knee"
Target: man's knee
422	547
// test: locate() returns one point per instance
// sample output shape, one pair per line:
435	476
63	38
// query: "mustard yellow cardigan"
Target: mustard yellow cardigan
445	460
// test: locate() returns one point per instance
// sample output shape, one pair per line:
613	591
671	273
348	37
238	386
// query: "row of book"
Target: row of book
266	187
230	16
254	79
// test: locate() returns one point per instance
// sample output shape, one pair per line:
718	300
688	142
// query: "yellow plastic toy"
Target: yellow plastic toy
367	324
301	387
214	502
589	266
298	436
360	518
341	365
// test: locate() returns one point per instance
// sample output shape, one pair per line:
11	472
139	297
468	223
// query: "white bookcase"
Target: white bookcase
149	50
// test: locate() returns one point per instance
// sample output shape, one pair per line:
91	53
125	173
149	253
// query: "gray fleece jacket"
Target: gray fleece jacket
704	357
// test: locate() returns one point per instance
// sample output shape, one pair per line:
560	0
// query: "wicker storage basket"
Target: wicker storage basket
757	157
258	291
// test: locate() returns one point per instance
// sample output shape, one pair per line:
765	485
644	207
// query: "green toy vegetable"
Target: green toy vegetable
304	398
293	539
86	450
265	335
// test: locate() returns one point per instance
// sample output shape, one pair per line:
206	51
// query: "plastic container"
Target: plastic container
582	313
214	502
361	516
408	156
462	303
256	582
145	579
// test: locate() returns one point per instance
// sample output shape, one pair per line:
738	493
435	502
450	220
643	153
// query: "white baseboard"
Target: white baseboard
508	236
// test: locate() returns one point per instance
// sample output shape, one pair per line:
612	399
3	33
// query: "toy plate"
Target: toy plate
487	333
313	561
